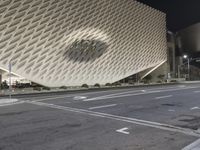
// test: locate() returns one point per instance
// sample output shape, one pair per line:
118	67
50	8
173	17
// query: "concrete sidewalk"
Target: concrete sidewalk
7	101
193	146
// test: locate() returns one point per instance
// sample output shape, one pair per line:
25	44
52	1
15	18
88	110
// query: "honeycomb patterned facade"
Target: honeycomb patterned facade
40	38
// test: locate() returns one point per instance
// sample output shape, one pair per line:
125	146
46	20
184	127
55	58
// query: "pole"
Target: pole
178	71
10	86
188	69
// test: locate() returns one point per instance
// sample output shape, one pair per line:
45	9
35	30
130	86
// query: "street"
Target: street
142	118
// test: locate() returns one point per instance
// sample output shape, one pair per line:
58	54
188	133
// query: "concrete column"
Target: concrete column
0	80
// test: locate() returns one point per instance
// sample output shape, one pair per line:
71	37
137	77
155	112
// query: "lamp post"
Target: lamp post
179	74
188	65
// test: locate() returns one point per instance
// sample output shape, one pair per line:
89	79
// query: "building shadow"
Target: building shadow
85	50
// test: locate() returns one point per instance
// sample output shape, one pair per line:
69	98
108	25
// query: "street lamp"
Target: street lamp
188	62
185	56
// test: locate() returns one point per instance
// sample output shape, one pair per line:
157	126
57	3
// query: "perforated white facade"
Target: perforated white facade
72	42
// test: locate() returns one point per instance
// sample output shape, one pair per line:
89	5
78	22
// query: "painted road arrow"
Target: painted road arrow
123	130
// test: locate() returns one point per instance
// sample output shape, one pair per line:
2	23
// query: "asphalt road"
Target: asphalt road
144	118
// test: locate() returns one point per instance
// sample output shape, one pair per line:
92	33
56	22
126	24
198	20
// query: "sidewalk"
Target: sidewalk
7	101
193	146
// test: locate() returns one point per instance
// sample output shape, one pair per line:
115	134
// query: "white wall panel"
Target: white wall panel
41	36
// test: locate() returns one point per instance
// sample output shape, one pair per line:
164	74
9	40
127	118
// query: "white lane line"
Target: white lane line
103	106
115	94
134	91
194	146
196	91
44	98
181	86
127	95
162	97
194	108
123	130
171	110
157	125
50	98
79	97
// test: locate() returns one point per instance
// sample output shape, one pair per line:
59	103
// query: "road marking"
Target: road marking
171	110
44	98
194	108
103	106
194	146
127	95
115	94
70	95
181	86
196	91
50	98
79	97
123	131
157	125
162	97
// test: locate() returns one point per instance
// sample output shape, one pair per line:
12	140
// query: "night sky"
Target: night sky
180	13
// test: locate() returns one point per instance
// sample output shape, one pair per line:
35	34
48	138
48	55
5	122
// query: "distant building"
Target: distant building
190	39
188	43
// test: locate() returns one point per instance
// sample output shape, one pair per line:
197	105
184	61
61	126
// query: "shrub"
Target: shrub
148	78
85	86
146	82
63	87
159	81
130	82
46	88
116	84
161	77
173	81
4	85
37	88
108	84
97	85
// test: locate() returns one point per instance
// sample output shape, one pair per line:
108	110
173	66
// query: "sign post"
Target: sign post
10	83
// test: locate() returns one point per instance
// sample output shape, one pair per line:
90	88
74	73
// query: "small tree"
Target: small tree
46	88
148	78
85	86
116	84
63	87
108	84
97	85
4	85
161	77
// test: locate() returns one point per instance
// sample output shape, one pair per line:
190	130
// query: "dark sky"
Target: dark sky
180	13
